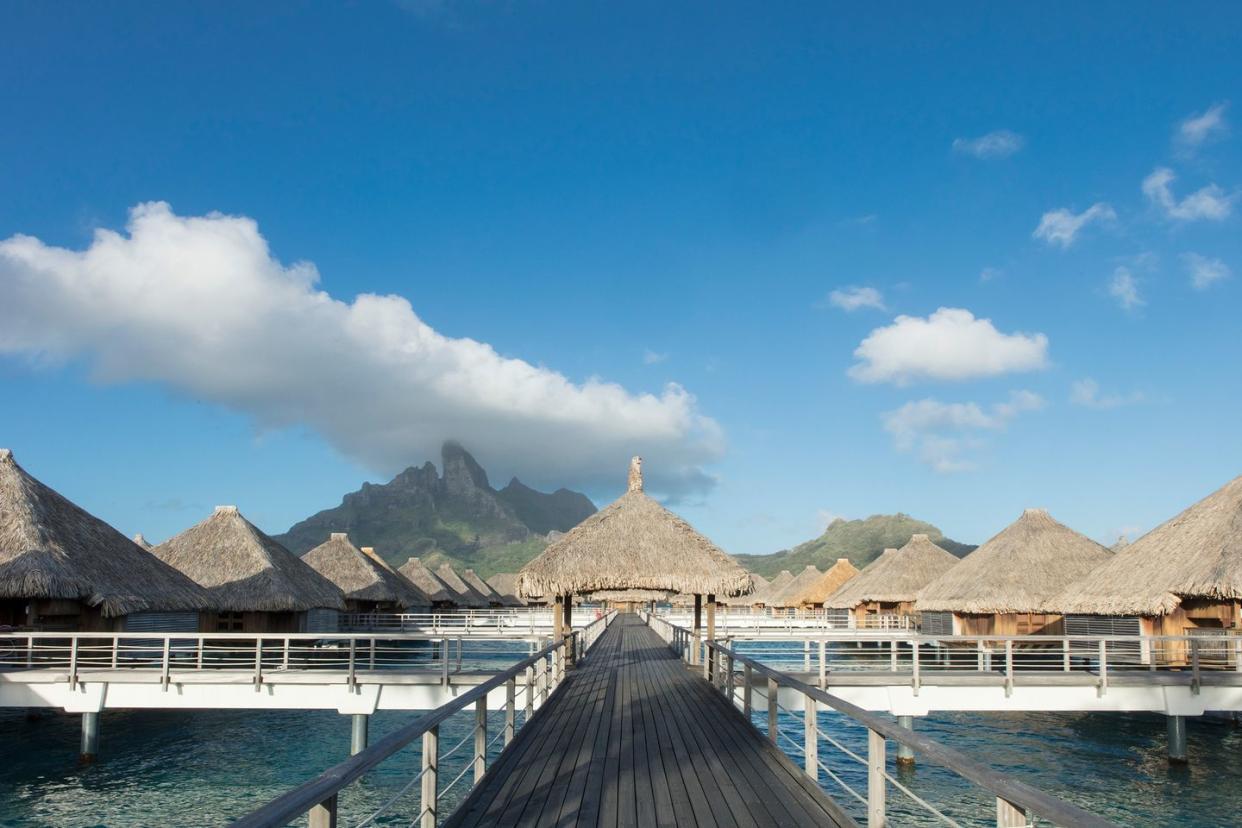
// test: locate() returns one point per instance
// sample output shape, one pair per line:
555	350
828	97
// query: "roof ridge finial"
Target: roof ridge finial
636	474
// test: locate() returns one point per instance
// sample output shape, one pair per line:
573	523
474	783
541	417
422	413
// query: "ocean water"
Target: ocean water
166	768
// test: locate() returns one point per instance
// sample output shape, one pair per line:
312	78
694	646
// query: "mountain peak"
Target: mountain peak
462	472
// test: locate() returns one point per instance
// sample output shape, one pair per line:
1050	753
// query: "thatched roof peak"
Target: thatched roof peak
52	548
427	582
361	574
505	585
245	570
1020	569
896	576
464	594
633	543
1195	554
142	541
811	587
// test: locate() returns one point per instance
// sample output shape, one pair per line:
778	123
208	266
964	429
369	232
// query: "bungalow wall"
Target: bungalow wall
1203	617
55	615
253	622
1010	623
867	614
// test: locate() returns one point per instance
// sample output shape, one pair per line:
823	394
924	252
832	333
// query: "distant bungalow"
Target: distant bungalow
764	596
758	583
811	590
1008	585
889	585
63	569
505	585
255	584
464	595
369	584
494	598
1184	575
436	590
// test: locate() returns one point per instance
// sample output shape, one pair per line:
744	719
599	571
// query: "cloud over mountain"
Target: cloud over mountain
200	305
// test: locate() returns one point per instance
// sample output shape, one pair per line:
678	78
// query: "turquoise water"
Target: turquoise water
164	768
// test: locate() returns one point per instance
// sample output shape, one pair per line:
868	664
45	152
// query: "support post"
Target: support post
746	691
480	738
530	692
876	783
905	754
1009	815
567	629
358	733
810	740
323	815
430	787
823	665
90	738
698	628
806	656
1177	739
711	632
773	689
510	709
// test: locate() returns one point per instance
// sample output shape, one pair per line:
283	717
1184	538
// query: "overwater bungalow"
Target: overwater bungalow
255	585
1183	577
464	595
785	599
504	584
885	590
778	584
494	598
811	589
63	569
1008	585
369	583
634	543
437	591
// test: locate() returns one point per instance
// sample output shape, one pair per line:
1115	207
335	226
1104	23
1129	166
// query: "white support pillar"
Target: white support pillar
905	754
90	738
358	733
1177	739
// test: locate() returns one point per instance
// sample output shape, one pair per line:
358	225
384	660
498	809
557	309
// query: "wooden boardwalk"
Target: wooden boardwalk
634	739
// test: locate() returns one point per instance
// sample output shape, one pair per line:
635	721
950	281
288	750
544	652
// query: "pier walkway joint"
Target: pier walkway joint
634	739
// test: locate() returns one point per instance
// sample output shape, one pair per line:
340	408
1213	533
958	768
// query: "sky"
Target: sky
810	261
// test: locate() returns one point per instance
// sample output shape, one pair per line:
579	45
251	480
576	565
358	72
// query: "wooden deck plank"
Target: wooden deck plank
633	739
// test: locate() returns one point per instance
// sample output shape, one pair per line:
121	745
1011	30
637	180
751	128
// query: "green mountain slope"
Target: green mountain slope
861	541
457	517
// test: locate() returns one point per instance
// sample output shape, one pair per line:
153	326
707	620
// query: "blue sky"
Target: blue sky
616	229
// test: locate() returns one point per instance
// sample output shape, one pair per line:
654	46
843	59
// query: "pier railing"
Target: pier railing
529	681
758	620
530	619
734	675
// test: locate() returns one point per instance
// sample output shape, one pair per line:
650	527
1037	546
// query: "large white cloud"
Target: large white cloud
951	344
945	435
1061	226
200	305
1208	202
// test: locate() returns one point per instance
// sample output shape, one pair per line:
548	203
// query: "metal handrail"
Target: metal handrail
1014	798
318	797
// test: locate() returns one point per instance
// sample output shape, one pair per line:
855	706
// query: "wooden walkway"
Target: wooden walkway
632	738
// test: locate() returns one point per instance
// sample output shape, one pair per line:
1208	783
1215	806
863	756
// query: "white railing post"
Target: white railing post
530	692
116	644
1194	666
773	689
444	662
1009	815
746	690
284	658
915	681
430	788
876	784
510	708
1103	684
823	664
480	738
323	815
258	662
892	656
1009	667
165	665
1065	655
73	663
810	741
352	679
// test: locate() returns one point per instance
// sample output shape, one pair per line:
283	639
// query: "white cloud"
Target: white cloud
944	435
1209	202
1124	288
1204	272
852	298
1062	226
990	273
651	357
199	304
1202	128
951	344
999	144
1086	392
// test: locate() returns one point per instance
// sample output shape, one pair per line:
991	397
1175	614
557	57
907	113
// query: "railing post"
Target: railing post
323	815
444	662
1194	666
371	655
746	690
480	738
810	741
73	663
1009	815
876	784
1103	685
352	680
284	658
892	655
530	692
198	661
773	689
510	708
823	664
165	665
116	643
1009	667
915	681
729	678
430	788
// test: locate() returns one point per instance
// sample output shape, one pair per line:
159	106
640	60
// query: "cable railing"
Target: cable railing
531	680
457	622
735	674
770	620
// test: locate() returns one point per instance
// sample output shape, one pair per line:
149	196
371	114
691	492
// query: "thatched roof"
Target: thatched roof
758	583
463	594
141	540
417	573
774	588
1197	554
244	570
783	597
630	596
810	589
1019	570
633	543
52	548
481	586
362	576
505	585
895	576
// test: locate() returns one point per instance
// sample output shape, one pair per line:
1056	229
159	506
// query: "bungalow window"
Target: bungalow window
229	622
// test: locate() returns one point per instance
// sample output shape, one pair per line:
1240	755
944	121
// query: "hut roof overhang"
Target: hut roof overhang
633	543
427	582
1194	555
774	588
896	576
244	570
1021	569
52	548
362	576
